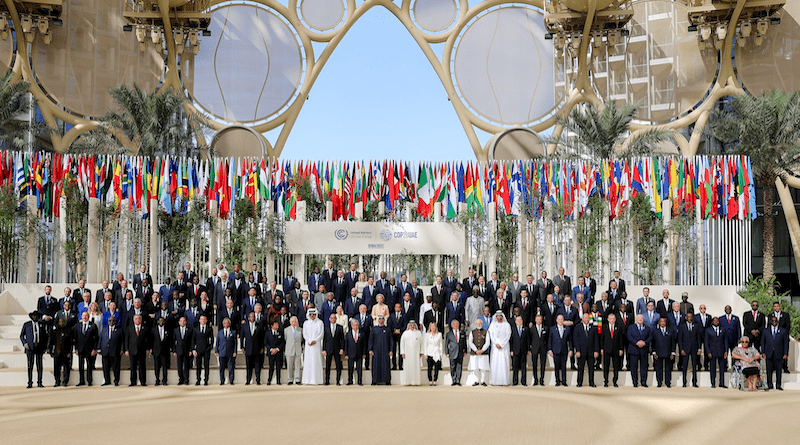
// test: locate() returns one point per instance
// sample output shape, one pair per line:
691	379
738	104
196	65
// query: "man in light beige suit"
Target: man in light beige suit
294	350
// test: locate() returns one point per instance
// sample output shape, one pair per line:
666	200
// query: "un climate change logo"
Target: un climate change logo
386	234
340	234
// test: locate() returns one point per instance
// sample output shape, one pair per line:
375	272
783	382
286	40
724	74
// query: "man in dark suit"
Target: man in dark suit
664	305
34	340
549	310
520	344
587	347
470	281
563	282
702	321
732	326
689	341
136	343
251	338
397	325
558	346
613	292
716	344
545	286
225	351
329	275
341	288
194	289
141	276
354	351
434	315
289	281
99	294
111	348
624	301
753	323
161	337
785	323
455	346
611	348
230	313
775	349
624	319
449	282
438	292
211	285
639	338
77	294
48	307
352	278
274	346
202	344
500	302
333	349
408	307
664	339
182	349
60	348
85	348
591	283
67	314
314	280
249	303
538	347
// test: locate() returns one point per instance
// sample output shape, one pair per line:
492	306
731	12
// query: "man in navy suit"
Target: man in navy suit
341	288
314	280
274	346
454	310
397	325
520	344
85	348
716	350
408	307
182	349
640	336
570	314
587	345
785	323
352	303
333	349
732	326
225	351
202	344
34	339
775	349
251	338
111	346
354	347
48	306
558	346
664	339
289	281
689	341
329	307
351	277
161	347
249	303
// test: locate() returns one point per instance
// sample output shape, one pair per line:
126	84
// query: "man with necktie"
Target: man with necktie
611	348
785	323
689	341
558	346
202	343
716	350
136	343
520	343
161	336
587	347
333	349
354	352
274	345
775	349
664	352
182	350
225	351
34	339
293	350
640	336
251	338
85	348
753	322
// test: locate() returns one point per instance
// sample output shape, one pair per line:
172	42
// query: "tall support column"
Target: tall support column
92	244
576	245
605	272
32	244
522	250
668	271
359	211
124	234
548	243
155	247
213	252
465	259
329	211
269	270
701	248
491	260
61	276
300	260
437	218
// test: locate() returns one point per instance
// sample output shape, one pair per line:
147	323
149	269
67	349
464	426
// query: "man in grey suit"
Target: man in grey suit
563	282
514	286
455	347
293	334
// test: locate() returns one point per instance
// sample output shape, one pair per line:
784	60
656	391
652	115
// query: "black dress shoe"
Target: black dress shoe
659	385
57	385
337	384
158	383
541	382
483	384
684	384
246	383
454	384
669	385
615	385
297	383
105	384
197	383
579	385
605	385
79	384
258	382
635	385
592	385
164	384
132	384
221	383
348	383
144	384
39	385
779	388
723	386
231	383
374	384
290	383
30	385
695	385
713	385
458	384
644	385
116	383
475	384
558	383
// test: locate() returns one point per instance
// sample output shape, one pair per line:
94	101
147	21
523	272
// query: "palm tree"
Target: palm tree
17	132
766	128
147	124
602	133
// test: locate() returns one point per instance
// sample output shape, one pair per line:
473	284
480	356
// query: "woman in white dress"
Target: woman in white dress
433	348
379	309
478	357
361	283
313	331
411	351
342	319
500	359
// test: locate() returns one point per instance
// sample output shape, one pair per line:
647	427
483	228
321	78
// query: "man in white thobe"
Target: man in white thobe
500	359
312	357
411	351
478	356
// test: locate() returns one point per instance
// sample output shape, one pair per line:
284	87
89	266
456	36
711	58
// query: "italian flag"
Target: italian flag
425	194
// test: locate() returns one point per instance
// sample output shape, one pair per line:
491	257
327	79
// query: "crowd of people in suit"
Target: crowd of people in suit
342	315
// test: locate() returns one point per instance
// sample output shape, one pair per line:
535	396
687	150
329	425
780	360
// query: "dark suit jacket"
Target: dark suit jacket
352	348
565	285
85	342
749	324
447	282
681	320
732	328
331	343
225	346
439	296
394	323
548	317
633	337
664	311
520	343
203	342
528	312
629	305
340	290
137	279
585	343
784	321
538	344
611	345
351	280
314	281
689	342
78	296
112	346
27	337
251	343
454	312
183	345
559	344
99	295
161	347
274	341
664	345
495	305
45	308
428	318
136	344
716	344
544	288
775	346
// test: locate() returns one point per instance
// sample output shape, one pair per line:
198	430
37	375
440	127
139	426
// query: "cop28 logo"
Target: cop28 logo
386	234
340	234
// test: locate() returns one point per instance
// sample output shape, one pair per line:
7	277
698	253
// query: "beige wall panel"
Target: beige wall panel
776	63
90	54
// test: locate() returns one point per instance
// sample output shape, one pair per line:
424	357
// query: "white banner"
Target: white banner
421	238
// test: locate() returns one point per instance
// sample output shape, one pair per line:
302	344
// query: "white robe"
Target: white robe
500	361
473	309
312	357
478	361
411	346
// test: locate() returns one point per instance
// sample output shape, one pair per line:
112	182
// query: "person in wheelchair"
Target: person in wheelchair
748	358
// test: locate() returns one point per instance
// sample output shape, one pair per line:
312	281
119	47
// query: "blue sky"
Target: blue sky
378	97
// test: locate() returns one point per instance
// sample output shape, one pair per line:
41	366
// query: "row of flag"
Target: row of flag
722	186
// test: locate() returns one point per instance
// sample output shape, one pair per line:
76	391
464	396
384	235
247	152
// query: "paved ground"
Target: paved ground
355	415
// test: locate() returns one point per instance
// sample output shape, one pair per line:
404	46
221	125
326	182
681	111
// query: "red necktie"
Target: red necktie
612	332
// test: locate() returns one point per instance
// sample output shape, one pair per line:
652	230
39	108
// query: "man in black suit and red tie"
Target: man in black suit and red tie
136	343
354	352
611	348
753	323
